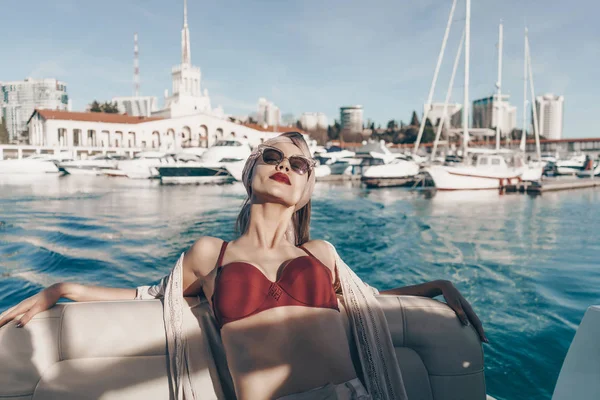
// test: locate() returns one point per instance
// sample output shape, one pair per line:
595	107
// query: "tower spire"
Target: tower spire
185	38
136	66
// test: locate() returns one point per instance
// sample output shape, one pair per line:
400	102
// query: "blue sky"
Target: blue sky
307	55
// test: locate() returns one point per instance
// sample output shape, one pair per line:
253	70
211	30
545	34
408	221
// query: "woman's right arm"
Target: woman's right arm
195	268
48	297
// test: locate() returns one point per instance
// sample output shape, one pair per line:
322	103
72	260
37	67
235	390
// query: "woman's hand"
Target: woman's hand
42	301
462	308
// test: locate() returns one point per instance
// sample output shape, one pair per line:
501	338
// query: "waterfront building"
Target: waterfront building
312	121
550	110
268	113
490	112
453	114
136	106
18	100
351	118
70	130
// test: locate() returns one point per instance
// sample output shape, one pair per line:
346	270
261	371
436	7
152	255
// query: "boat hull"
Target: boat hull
194	175
387	182
28	167
465	178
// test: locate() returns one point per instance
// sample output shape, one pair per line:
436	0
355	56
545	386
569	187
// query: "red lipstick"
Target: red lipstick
280	177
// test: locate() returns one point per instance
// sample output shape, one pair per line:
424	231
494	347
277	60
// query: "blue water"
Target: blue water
527	265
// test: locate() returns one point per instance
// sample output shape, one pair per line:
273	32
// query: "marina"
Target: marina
444	283
507	254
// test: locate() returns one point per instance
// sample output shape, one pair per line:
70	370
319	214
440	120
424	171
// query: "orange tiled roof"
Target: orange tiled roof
94	117
270	128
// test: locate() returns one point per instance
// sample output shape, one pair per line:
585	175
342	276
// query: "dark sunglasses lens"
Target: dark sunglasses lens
299	164
271	156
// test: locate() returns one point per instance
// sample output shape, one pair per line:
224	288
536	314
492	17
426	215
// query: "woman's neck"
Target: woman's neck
268	225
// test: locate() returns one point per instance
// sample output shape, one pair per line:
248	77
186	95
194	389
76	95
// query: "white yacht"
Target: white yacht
491	169
571	166
398	172
221	163
143	166
95	165
37	164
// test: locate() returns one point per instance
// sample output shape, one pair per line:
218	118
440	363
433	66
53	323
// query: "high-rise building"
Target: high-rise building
351	119
268	113
137	106
312	121
18	100
490	112
453	114
550	109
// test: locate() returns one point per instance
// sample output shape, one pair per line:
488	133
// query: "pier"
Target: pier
552	185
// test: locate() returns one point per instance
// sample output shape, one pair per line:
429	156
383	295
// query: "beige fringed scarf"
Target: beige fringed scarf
381	373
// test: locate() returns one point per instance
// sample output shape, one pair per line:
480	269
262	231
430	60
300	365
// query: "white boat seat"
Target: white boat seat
117	350
579	376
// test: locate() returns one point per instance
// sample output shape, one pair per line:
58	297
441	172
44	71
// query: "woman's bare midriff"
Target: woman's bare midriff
287	350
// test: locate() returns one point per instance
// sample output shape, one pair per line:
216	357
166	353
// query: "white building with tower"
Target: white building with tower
312	121
351	118
550	110
18	100
186	121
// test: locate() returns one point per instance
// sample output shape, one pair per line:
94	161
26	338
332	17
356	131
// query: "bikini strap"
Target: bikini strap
220	259
336	284
306	251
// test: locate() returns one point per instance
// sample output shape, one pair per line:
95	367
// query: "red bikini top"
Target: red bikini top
242	290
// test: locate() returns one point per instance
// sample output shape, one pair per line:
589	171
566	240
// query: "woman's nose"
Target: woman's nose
284	164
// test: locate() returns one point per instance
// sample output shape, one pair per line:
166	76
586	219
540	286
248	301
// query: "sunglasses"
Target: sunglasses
273	156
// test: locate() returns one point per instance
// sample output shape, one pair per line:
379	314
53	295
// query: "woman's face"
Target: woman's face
278	183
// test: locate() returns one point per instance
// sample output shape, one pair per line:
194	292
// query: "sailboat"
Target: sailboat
482	169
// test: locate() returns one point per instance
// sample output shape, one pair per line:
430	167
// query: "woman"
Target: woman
273	295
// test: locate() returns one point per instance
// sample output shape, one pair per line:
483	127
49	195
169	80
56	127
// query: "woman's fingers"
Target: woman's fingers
20	308
28	315
10	314
5	316
474	320
458	309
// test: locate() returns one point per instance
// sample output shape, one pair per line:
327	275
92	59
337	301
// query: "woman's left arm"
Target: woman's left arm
454	299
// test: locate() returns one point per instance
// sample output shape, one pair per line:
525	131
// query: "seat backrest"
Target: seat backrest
117	350
579	376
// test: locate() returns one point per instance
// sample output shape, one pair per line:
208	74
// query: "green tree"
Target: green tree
410	134
109	108
414	120
95	107
106	107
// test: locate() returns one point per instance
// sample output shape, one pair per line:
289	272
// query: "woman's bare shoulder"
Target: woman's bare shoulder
323	250
202	256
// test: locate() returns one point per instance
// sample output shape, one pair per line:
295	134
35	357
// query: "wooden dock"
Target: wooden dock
553	184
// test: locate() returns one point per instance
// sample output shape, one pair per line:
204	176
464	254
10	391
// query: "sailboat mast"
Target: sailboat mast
448	94
498	102
533	107
466	105
435	76
525	63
